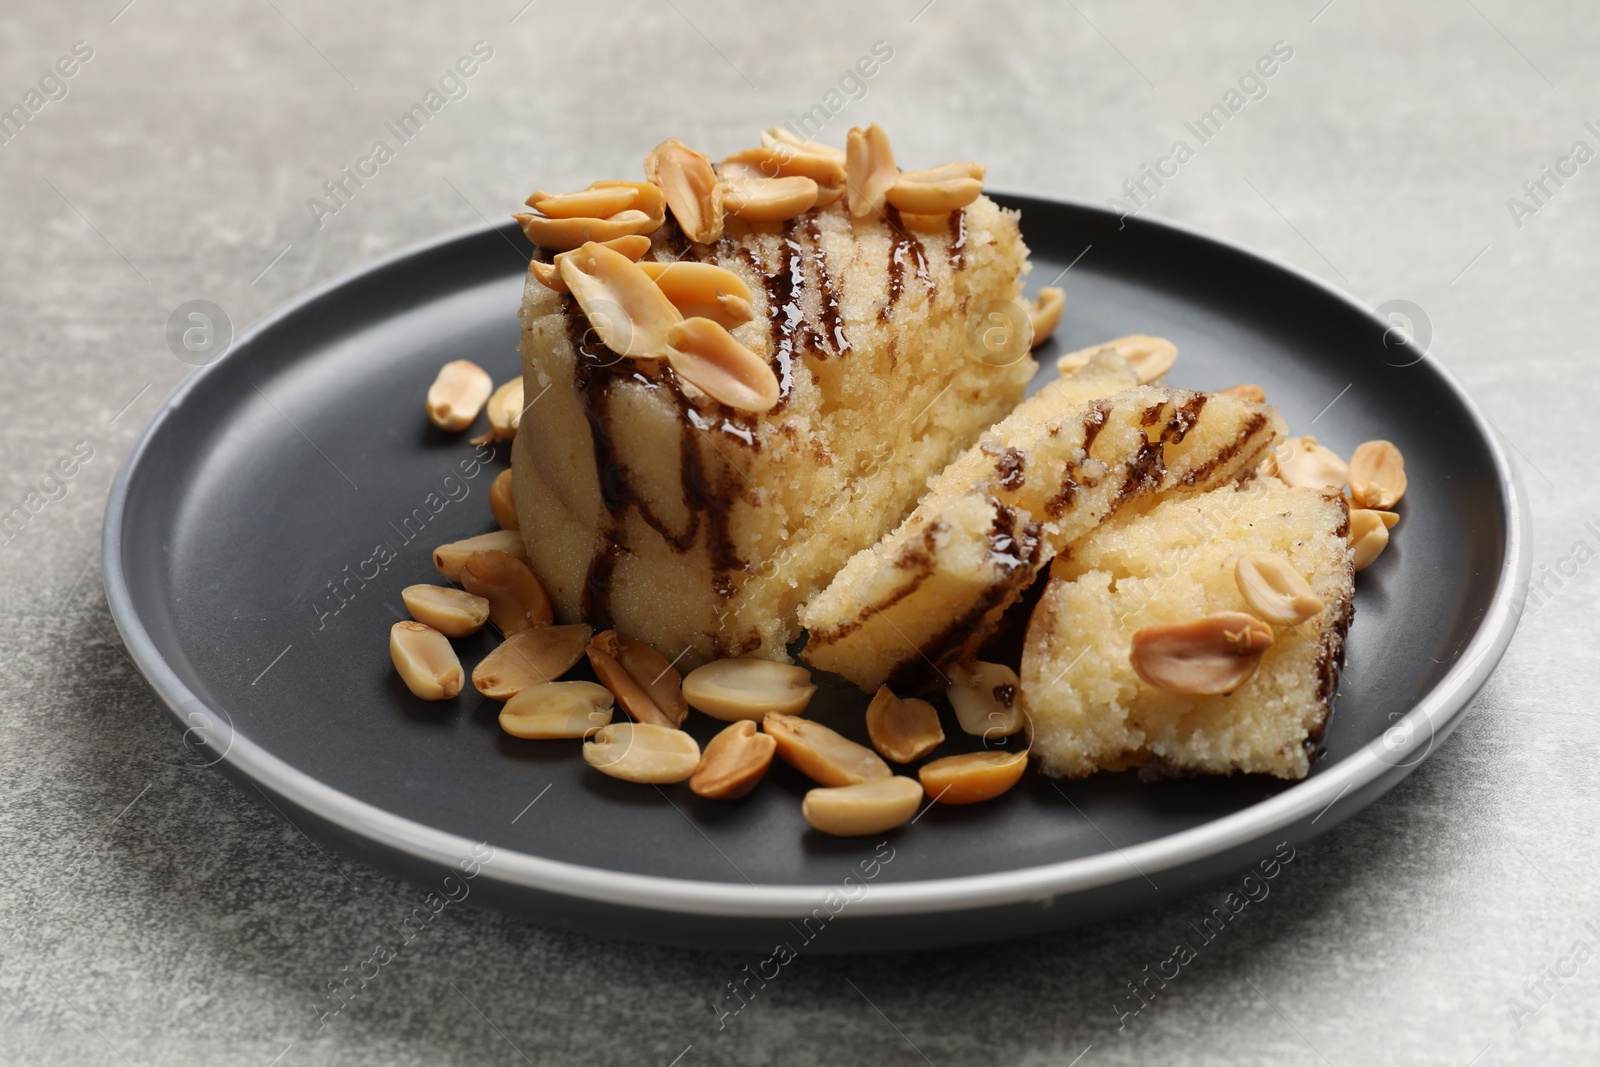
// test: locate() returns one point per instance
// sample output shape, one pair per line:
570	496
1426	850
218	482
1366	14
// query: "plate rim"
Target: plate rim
1432	716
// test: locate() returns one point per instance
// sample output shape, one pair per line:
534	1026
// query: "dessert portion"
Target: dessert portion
926	597
670	488
1121	667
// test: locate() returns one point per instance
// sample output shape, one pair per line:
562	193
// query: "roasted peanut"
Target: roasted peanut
1044	313
703	290
500	502
778	135
984	696
938	190
1377	475
549	274
1245	391
590	203
1369	534
642	752
450	611
1274	590
972	777
556	709
505	410
734	689
563	235
823	755
530	657
902	728
709	358
425	661
458	394
863	808
869	170
516	599
769	199
689	183
1301	462
646	684
1207	656
627	309
452	557
1150	357
734	761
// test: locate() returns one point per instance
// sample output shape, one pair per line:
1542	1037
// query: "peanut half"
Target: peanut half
1303	463
781	160
689	183
734	689
869	170
1274	590
769	199
501	503
902	728
626	308
1044	314
1150	357
647	686
709	358
778	135
1369	534
703	290
458	394
984	696
734	761
1206	657
425	661
451	558
863	808
549	274
557	709
563	235
1245	391
450	611
972	777
505	411
517	601
1377	475
823	755
642	752
590	203
530	657
938	190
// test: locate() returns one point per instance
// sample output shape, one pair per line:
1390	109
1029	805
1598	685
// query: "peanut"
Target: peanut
1150	357
642	752
733	762
1274	590
590	203
646	685
823	755
703	290
549	274
1044	313
708	357
902	728
1369	534
864	808
628	311
451	558
1377	475
938	190
972	777
1301	462
505	410
734	689
1245	391
563	235
778	135
500	502
689	183
450	611
530	657
425	661
556	709
517	601
1207	656
769	199
984	696
869	170
458	394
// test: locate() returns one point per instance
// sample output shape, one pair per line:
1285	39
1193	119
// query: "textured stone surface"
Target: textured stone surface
150	913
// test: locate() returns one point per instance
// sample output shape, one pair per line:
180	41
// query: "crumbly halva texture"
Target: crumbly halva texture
927	596
649	507
1086	707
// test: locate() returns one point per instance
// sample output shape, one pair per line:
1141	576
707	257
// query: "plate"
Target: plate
259	534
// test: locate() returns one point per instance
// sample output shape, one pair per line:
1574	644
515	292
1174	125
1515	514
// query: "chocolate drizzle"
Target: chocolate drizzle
958	239
903	248
827	292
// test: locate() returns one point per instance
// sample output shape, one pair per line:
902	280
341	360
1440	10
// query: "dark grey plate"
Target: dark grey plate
283	466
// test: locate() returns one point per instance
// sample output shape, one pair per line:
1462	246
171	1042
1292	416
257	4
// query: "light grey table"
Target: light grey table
150	913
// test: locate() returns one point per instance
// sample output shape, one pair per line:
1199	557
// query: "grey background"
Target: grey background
150	913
